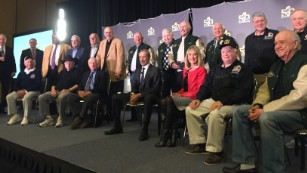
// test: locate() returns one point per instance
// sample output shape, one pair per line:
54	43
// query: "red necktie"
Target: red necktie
53	57
33	53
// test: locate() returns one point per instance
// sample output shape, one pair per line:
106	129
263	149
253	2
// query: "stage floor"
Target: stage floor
91	149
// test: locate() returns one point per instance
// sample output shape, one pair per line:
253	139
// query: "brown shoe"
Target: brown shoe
196	149
214	158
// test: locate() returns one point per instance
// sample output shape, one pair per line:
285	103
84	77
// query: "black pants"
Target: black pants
5	83
169	85
115	87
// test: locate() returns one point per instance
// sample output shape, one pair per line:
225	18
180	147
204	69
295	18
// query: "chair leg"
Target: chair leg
296	146
159	121
123	118
302	140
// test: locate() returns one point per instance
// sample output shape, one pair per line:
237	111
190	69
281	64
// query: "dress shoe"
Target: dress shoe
114	131
75	124
165	137
84	124
175	137
25	121
214	158
143	136
236	169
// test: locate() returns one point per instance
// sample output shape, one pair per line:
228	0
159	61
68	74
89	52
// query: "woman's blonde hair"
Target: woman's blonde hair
200	61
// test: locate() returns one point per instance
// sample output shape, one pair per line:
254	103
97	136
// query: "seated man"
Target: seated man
280	105
92	87
146	88
227	84
27	86
66	83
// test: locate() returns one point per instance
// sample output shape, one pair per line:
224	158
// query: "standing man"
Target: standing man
213	51
76	51
92	87
146	88
168	73
259	48
91	51
180	48
53	55
298	21
27	86
228	84
7	69
111	59
32	52
280	106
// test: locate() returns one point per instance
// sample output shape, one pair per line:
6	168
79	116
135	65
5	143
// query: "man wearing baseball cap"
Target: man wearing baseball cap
26	87
227	84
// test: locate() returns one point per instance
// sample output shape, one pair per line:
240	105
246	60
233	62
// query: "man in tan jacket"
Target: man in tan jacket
53	55
111	59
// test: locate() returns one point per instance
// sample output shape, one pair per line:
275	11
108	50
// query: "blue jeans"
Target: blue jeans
273	125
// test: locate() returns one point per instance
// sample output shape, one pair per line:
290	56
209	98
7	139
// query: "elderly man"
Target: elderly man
91	50
298	21
213	51
92	87
168	73
259	48
280	106
53	55
228	84
34	52
76	51
27	86
180	47
7	69
111	59
66	83
147	88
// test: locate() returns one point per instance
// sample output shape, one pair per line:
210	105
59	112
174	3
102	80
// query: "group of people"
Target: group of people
205	84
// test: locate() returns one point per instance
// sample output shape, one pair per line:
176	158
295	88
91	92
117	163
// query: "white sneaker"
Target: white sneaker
59	122
14	119
25	121
47	122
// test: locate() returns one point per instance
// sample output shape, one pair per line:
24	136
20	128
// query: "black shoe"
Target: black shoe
175	137
84	124
143	136
236	169
75	124
114	131
165	136
132	120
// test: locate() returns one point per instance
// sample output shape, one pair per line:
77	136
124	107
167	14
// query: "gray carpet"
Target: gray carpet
91	149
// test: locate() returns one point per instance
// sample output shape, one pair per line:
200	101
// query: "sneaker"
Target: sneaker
59	122
47	122
14	119
25	121
214	158
196	149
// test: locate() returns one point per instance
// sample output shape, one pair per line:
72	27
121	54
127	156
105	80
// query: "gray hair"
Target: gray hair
259	14
167	30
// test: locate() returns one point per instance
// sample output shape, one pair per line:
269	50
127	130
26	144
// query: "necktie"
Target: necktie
88	82
180	54
165	59
33	53
53	57
142	77
133	61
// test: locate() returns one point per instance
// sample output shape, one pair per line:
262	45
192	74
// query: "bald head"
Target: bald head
287	42
218	30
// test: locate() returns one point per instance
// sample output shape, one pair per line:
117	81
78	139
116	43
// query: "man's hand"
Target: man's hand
194	104
2	58
255	113
64	91
21	93
81	94
175	66
216	105
53	92
134	98
117	75
176	94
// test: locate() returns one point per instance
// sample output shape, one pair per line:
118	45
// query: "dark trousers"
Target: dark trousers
115	87
81	111
5	83
119	100
168	84
171	113
51	78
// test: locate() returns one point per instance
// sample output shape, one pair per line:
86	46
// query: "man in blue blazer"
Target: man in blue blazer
76	51
146	88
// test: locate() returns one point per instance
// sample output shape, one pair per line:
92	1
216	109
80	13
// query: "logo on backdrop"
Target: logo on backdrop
175	27
244	18
151	31
129	35
285	13
208	22
242	51
227	33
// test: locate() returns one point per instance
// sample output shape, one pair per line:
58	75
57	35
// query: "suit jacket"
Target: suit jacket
46	58
115	58
38	58
79	55
87	54
152	81
8	65
100	82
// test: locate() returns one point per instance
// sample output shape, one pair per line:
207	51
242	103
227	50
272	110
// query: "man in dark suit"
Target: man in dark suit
7	69
146	88
92	87
91	50
76	51
32	52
